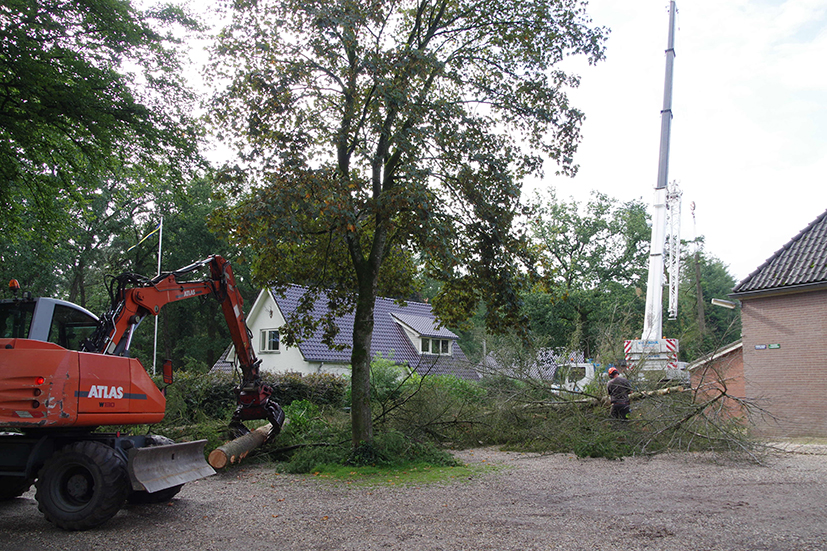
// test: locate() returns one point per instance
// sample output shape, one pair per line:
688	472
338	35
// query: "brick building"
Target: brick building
784	335
721	372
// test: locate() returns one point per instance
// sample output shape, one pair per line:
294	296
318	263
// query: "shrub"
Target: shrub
435	408
316	458
388	450
197	397
319	388
194	396
386	377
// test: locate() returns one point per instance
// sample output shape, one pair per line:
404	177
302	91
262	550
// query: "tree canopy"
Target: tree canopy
590	293
90	90
592	267
395	130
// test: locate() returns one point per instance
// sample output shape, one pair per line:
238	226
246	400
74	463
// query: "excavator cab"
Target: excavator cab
16	319
46	319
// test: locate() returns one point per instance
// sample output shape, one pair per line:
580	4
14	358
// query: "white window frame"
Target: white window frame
444	347
265	341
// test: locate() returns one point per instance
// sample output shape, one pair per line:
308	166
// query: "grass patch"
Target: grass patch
392	456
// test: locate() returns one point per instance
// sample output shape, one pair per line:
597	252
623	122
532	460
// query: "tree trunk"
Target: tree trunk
360	412
236	450
699	297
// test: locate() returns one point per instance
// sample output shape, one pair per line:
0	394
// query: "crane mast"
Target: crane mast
653	322
652	352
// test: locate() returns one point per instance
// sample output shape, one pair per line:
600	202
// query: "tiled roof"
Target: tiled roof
424	325
223	364
389	339
801	262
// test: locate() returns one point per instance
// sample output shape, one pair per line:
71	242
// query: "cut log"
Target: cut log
236	450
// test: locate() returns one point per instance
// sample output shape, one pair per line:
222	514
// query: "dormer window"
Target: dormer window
436	346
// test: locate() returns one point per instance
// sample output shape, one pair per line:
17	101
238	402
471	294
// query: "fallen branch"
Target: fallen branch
604	400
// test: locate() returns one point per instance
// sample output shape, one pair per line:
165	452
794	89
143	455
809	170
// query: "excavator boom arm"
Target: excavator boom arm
137	297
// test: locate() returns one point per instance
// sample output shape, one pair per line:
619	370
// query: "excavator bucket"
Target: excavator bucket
156	468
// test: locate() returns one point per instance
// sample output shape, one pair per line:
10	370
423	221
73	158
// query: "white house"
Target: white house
407	334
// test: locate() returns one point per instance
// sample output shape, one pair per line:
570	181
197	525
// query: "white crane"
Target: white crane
652	352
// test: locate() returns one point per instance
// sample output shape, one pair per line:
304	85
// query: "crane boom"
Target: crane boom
652	351
653	320
673	204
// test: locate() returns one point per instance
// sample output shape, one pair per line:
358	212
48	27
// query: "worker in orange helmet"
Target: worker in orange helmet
618	388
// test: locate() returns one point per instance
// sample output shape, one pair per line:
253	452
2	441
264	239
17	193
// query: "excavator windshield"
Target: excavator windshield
70	327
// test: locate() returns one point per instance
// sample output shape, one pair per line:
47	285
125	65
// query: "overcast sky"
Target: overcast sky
749	128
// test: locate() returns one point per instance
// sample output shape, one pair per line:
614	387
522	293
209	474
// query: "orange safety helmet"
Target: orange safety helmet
613	371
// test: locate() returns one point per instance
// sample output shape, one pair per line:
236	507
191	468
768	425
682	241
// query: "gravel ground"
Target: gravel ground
681	502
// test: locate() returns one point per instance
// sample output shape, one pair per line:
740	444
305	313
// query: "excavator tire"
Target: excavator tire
82	486
13	486
142	497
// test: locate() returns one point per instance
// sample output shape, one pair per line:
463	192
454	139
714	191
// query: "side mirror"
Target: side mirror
167	371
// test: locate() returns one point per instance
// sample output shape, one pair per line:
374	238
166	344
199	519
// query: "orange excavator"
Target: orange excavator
65	372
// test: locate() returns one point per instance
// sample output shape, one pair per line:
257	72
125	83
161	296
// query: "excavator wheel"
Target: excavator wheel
142	497
82	486
13	486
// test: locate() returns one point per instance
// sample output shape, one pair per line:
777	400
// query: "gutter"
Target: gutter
777	291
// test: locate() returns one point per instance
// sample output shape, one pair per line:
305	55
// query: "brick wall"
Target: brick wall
724	373
785	362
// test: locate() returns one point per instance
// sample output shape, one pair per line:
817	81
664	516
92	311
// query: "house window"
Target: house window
436	346
269	340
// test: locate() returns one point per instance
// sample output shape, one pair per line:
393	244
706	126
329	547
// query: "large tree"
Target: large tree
375	132
592	262
90	91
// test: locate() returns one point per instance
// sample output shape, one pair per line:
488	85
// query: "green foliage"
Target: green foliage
592	262
371	133
394	448
197	397
301	413
386	381
585	432
319	388
389	450
97	141
72	116
721	326
433	408
386	378
317	459
430	412
191	333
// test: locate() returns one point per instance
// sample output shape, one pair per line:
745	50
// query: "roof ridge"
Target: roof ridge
796	261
